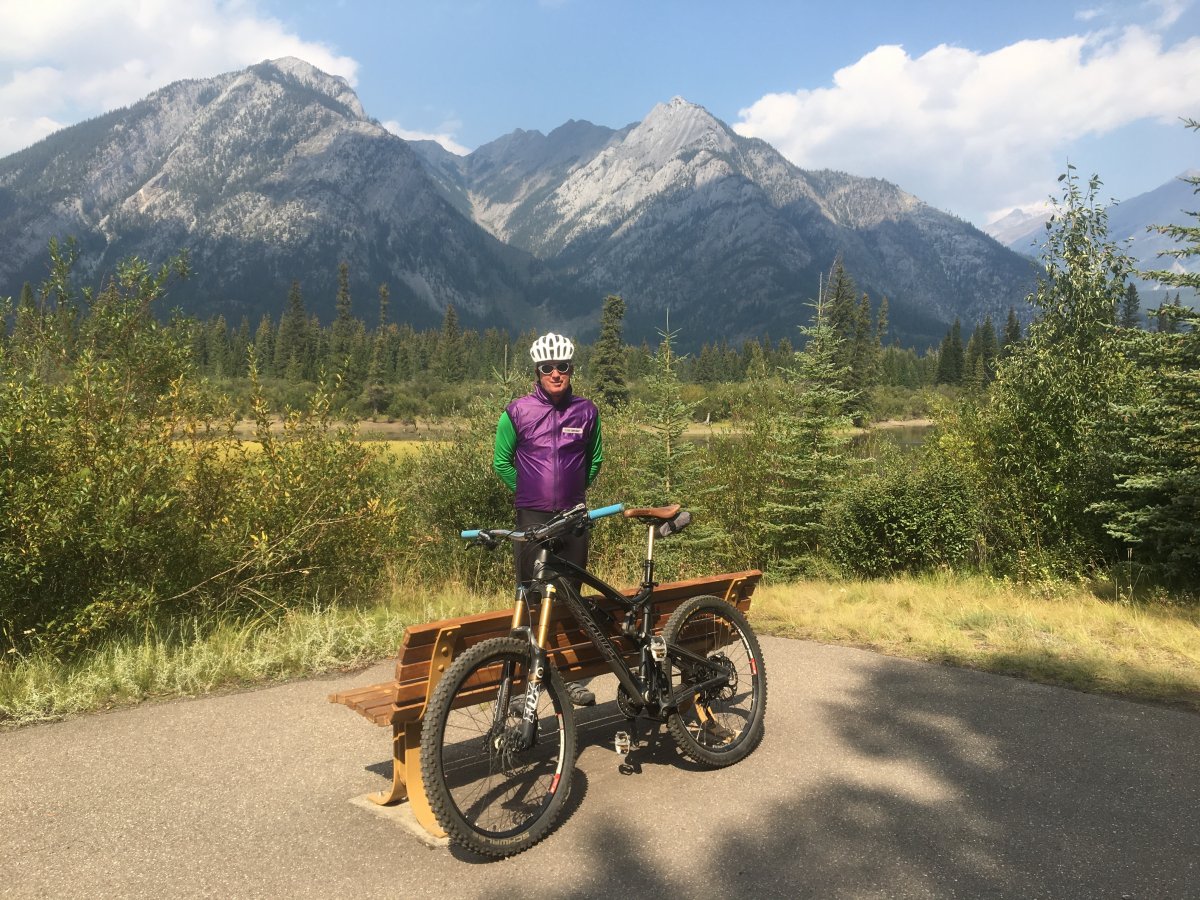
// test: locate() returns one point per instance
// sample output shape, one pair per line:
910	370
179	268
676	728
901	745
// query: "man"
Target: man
548	451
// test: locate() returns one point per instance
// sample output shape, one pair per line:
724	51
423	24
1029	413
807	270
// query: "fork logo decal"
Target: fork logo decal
531	702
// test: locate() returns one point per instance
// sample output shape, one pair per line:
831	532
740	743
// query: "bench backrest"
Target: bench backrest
571	651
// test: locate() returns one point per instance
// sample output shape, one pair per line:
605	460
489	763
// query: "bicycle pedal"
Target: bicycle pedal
658	648
622	743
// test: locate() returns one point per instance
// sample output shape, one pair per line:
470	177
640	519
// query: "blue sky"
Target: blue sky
975	108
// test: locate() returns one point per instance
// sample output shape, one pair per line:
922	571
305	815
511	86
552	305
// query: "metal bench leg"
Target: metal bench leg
398	790
406	742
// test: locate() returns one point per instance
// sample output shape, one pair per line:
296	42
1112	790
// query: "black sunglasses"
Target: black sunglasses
547	368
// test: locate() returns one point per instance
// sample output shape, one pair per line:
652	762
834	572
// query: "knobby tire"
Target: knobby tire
725	723
487	794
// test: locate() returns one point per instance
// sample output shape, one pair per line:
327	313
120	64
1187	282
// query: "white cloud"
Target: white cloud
444	138
980	132
64	60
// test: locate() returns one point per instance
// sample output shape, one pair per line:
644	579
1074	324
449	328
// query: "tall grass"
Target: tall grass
1060	634
201	658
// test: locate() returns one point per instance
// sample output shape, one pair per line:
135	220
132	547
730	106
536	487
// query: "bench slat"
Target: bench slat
571	651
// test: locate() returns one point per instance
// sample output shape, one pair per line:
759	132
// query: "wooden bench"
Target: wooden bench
427	651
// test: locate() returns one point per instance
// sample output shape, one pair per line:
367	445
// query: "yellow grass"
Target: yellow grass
1065	636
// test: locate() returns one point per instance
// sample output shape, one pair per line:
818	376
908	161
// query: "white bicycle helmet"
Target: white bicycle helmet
552	347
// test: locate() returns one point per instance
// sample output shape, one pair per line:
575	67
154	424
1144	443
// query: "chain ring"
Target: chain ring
625	704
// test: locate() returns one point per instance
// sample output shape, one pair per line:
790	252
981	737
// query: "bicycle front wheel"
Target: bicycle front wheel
488	790
724	720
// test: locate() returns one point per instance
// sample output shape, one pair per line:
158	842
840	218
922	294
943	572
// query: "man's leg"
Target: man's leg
575	550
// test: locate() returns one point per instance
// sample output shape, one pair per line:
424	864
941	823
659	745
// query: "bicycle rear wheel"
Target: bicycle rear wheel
724	721
487	791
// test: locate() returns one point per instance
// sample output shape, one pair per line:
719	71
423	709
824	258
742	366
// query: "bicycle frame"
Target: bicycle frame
554	577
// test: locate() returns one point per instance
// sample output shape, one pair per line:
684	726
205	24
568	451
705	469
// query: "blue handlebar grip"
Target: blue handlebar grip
606	511
470	534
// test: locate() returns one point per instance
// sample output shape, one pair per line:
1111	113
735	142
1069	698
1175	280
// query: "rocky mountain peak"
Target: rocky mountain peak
673	127
297	71
274	173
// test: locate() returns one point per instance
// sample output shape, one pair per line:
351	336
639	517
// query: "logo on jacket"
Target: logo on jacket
572	431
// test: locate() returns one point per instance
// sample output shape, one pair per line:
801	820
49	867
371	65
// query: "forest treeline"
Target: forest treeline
1070	451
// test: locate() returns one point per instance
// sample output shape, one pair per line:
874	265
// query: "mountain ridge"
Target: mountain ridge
276	173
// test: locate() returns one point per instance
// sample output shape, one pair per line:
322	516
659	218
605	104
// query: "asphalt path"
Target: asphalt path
878	777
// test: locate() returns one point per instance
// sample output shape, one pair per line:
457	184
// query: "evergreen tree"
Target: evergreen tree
667	465
291	343
865	360
377	394
989	349
1167	324
973	375
805	450
1012	333
238	355
264	343
1131	308
448	355
341	336
384	296
881	323
950	356
218	348
839	305
1155	508
607	367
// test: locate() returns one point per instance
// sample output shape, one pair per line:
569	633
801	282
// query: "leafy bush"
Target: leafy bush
908	517
125	501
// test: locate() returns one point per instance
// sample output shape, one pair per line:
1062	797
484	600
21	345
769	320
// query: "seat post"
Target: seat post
648	571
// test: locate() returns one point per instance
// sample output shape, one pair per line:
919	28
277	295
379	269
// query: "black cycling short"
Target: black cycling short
573	547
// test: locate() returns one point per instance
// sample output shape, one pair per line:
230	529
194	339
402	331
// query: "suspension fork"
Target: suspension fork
538	662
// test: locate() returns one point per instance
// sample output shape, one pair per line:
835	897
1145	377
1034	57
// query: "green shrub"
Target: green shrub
908	517
120	507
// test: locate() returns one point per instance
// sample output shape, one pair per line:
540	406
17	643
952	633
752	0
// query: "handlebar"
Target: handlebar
489	536
606	511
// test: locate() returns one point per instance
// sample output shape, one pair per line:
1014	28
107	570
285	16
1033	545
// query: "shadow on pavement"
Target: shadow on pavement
944	783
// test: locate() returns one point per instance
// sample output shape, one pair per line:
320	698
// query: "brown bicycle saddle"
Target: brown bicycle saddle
658	513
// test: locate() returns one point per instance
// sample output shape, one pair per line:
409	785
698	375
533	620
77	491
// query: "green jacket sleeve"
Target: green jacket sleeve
505	450
595	453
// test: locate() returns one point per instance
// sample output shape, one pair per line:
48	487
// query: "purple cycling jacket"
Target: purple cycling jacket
553	453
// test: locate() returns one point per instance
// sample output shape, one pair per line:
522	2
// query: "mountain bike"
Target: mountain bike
498	744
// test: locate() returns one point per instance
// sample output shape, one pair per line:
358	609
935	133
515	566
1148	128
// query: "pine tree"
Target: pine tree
989	350
950	356
264	343
667	466
1012	333
290	345
448	354
608	355
384	296
1131	308
238	358
805	450
865	361
881	323
376	392
842	312
1155	508
341	336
